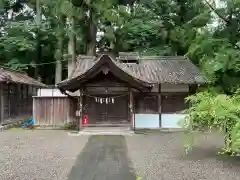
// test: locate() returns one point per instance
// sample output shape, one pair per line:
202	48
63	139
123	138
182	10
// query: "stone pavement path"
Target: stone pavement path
103	158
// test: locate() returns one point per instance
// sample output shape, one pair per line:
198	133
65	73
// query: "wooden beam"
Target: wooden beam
131	104
80	109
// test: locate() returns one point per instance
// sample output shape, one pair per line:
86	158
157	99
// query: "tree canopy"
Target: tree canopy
206	32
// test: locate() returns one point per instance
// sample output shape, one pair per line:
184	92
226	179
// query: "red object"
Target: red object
85	120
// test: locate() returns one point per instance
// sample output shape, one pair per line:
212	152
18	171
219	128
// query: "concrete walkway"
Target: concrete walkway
103	158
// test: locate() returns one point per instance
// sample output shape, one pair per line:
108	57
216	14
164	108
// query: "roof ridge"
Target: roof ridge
85	56
11	70
160	58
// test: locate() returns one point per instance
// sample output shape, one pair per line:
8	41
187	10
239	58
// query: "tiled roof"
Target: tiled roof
17	77
151	69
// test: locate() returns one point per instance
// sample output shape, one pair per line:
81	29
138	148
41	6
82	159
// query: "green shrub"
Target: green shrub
70	126
210	110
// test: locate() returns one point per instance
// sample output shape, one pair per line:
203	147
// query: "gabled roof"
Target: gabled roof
149	70
17	77
76	79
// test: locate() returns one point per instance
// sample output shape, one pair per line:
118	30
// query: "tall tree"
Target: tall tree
38	38
72	41
59	49
58	12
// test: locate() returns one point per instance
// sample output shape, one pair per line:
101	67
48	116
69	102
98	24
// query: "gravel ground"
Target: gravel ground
50	155
161	157
38	155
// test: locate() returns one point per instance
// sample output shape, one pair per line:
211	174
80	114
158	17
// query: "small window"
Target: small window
129	57
130	61
145	103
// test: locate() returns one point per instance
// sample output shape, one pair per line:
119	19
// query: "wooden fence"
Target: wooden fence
54	110
16	102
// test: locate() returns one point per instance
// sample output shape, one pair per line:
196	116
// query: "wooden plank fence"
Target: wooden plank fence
54	110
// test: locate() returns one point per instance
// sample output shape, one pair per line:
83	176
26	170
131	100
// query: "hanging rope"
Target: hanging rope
105	97
107	100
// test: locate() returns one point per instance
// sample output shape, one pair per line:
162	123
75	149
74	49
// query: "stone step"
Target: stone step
106	131
106	125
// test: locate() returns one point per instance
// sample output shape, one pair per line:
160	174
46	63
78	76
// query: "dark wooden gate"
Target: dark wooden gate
106	112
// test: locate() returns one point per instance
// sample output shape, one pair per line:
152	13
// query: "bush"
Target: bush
70	126
210	110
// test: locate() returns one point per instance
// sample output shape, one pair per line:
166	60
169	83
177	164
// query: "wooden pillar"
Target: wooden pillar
9	100
131	104
80	109
21	100
192	89
159	105
1	104
18	99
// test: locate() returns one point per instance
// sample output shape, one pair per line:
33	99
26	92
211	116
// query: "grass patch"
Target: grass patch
16	129
19	128
70	126
156	131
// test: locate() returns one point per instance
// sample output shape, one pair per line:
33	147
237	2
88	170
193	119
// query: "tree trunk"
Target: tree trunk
38	39
59	51
58	71
70	53
72	48
91	46
74	43
38	56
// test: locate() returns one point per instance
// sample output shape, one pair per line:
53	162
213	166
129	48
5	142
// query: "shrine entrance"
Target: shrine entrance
106	110
106	97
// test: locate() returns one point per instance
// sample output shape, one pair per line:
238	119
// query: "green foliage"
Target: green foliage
156	27
161	28
219	60
77	3
235	135
18	49
70	126
214	111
